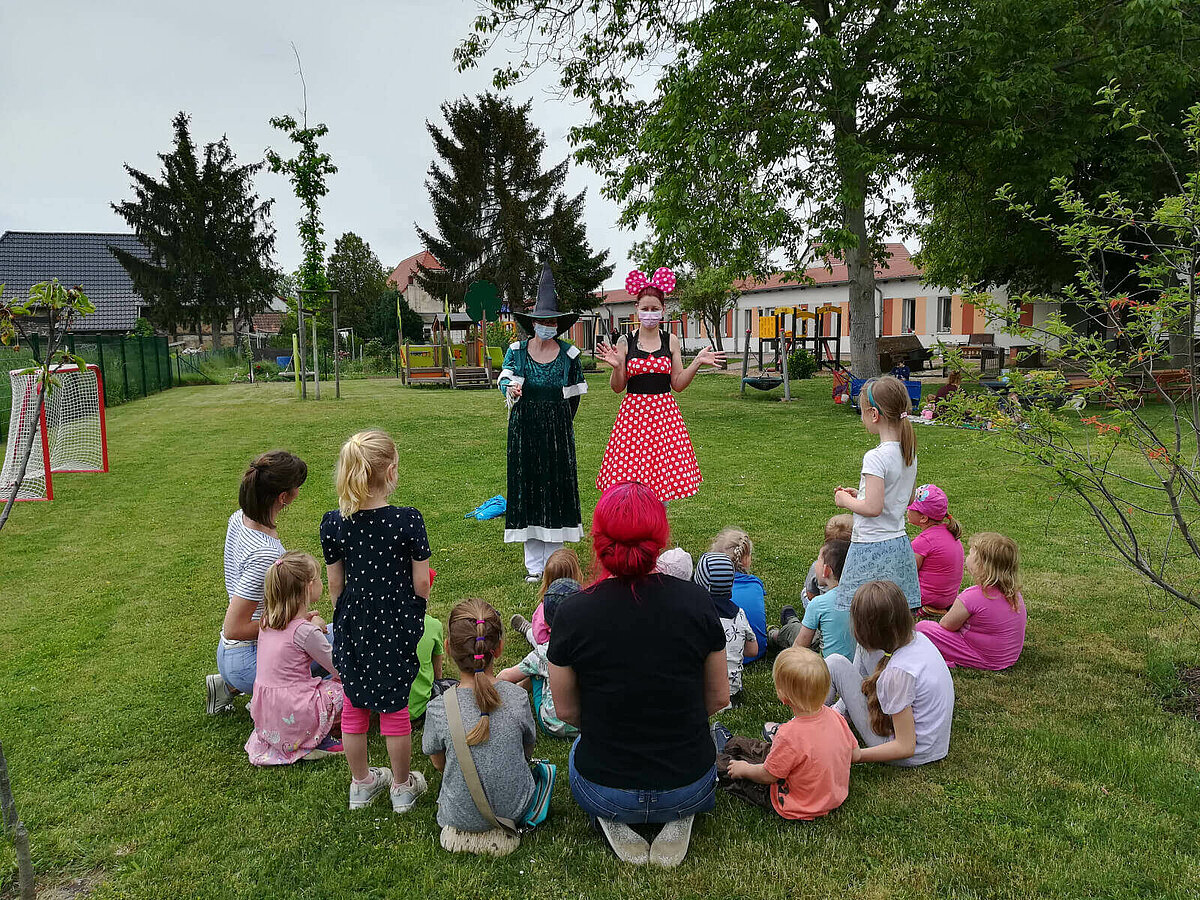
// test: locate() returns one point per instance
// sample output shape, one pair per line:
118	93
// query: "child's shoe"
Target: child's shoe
404	796
362	795
787	614
521	624
219	696
327	747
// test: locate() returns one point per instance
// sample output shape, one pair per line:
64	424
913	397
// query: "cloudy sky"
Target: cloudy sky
86	87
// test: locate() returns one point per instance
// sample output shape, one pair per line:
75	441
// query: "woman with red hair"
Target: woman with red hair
640	658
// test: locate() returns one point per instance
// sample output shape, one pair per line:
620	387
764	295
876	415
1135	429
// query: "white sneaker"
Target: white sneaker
220	698
362	795
532	579
404	796
629	846
671	845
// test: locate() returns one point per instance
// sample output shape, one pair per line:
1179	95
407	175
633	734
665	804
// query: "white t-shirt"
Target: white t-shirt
916	676
886	462
248	555
737	632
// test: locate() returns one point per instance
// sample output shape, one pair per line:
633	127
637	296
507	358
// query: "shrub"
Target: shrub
801	364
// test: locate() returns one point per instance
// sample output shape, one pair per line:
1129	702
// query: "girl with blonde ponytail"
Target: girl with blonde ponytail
377	560
498	724
879	546
897	692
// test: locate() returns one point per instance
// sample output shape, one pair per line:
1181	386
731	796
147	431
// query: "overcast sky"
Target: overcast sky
86	87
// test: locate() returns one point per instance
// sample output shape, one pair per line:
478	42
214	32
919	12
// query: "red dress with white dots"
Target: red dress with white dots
649	442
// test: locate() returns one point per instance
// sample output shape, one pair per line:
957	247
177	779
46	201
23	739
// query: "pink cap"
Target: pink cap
930	500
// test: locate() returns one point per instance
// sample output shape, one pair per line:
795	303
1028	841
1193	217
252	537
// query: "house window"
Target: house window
943	315
908	315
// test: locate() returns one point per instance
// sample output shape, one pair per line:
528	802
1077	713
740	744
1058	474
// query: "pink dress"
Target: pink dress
293	710
941	572
991	639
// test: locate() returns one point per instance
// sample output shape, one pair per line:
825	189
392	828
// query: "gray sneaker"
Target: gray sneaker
404	796
629	846
220	698
521	624
362	795
671	845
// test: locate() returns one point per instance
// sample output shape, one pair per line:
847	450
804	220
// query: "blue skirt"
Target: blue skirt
891	560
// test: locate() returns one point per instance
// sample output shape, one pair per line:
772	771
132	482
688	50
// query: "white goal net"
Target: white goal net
68	436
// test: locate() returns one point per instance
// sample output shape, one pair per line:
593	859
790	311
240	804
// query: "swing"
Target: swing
763	382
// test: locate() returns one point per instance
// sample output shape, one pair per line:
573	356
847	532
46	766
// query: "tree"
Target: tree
1017	104
1134	466
390	305
208	237
355	272
773	126
708	294
498	213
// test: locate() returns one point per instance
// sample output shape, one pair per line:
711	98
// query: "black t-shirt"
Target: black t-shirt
639	661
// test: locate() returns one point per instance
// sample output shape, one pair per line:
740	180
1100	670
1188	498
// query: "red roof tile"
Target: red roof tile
899	266
268	322
404	273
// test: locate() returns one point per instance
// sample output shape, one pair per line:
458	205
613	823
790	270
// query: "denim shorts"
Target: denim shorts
238	665
634	807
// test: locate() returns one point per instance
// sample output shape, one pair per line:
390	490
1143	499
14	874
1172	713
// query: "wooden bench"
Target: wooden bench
903	349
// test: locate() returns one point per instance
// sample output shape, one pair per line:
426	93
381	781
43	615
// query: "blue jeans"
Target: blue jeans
238	665
636	807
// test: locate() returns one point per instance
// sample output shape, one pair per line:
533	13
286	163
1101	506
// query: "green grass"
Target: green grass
1066	778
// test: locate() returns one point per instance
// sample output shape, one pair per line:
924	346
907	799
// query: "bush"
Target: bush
501	334
801	364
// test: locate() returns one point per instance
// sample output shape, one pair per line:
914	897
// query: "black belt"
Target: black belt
652	383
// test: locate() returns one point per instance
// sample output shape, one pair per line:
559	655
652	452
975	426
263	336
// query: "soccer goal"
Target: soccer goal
68	436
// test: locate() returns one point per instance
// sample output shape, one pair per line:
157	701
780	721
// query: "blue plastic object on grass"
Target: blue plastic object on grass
489	509
914	390
283	361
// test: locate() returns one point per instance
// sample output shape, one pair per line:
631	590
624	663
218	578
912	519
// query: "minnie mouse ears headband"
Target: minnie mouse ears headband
663	279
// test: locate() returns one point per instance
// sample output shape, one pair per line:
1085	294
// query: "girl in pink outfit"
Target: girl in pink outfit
985	628
293	711
938	548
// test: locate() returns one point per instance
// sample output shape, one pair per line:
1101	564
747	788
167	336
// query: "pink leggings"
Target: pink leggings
357	721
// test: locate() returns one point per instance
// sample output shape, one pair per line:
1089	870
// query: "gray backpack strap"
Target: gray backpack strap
467	764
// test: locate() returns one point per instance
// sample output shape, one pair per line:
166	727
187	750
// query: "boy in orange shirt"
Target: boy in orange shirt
804	773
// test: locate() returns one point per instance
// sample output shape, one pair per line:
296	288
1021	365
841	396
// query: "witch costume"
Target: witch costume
543	487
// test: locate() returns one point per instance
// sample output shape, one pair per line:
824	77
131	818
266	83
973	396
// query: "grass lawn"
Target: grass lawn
1065	778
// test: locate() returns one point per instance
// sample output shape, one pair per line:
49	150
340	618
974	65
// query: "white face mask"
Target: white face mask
545	332
650	318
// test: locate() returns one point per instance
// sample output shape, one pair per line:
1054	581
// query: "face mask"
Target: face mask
650	319
545	332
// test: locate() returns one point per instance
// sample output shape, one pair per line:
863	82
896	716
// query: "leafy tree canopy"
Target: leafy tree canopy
354	271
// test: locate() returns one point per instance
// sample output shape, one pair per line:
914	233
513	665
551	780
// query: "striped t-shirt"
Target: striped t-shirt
248	555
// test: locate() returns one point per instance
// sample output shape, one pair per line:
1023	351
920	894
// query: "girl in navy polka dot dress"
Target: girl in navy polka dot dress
377	558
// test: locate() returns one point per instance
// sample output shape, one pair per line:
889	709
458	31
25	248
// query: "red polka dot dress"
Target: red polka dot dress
649	442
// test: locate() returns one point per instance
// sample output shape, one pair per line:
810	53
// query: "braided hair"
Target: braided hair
474	639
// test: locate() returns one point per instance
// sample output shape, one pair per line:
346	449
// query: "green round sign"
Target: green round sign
483	301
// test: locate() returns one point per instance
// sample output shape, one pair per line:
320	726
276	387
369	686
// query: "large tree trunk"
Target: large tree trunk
216	334
715	329
860	270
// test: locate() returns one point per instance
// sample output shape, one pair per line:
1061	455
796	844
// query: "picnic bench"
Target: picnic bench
903	349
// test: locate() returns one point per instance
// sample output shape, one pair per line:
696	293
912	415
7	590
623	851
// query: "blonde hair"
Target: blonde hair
998	559
473	640
735	544
889	397
880	620
839	527
362	469
802	677
562	563
285	591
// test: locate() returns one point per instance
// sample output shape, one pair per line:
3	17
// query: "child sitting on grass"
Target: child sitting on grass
838	528
985	628
748	591
500	735
563	563
938	548
429	656
826	621
533	672
715	573
804	773
294	712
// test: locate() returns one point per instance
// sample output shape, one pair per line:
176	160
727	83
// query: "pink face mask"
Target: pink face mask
650	318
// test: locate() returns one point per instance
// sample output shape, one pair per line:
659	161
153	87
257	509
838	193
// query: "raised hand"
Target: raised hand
608	354
710	357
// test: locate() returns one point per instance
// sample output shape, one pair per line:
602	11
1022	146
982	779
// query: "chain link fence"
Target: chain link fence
130	366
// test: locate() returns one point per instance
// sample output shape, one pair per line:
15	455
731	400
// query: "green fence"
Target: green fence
130	367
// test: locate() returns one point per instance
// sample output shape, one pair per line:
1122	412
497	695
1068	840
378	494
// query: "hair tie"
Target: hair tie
903	415
887	653
480	638
870	398
479	622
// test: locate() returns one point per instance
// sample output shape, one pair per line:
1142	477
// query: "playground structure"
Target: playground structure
463	366
825	348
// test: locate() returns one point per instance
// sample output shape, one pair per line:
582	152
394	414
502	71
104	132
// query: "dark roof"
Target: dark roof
268	322
29	257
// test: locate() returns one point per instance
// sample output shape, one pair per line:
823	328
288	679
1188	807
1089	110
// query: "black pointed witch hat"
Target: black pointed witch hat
546	306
